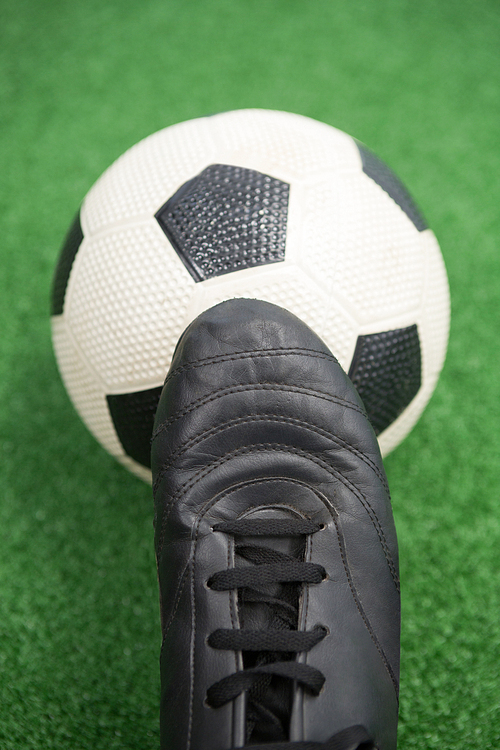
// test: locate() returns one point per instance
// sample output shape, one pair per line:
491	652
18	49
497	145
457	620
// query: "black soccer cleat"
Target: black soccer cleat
275	541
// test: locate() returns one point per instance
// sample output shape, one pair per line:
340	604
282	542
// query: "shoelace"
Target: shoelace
272	651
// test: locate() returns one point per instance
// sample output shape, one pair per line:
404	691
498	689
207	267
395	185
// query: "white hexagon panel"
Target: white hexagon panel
252	203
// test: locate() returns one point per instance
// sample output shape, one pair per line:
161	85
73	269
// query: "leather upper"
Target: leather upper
257	419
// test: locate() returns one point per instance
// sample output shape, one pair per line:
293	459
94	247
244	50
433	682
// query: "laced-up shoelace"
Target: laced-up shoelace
272	651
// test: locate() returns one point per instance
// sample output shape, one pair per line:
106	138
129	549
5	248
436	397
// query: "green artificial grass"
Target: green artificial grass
419	83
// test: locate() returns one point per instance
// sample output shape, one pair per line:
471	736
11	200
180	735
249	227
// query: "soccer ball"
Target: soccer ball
250	203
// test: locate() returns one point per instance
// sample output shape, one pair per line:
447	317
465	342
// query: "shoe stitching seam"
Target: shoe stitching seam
341	544
201	515
256	447
277	447
228	390
213	431
340	538
222	495
231	606
178	594
276	352
219	497
192	648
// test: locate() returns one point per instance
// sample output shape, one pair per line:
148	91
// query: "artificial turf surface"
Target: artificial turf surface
419	83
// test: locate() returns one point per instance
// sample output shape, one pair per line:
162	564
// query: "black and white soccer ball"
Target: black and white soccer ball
250	203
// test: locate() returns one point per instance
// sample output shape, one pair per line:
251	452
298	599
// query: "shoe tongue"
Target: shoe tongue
272	695
261	615
289	545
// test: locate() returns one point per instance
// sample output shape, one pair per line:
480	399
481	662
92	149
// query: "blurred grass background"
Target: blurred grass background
419	83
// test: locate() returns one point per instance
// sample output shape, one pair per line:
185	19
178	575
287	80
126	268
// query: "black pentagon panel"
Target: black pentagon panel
380	173
226	219
66	258
386	370
133	417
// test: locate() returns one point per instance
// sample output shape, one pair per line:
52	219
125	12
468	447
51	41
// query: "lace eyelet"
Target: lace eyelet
322	526
325	577
206	584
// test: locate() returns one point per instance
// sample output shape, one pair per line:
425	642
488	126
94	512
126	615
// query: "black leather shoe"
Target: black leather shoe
275	541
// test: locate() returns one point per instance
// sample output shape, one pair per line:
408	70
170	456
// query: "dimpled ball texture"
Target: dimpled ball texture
257	204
